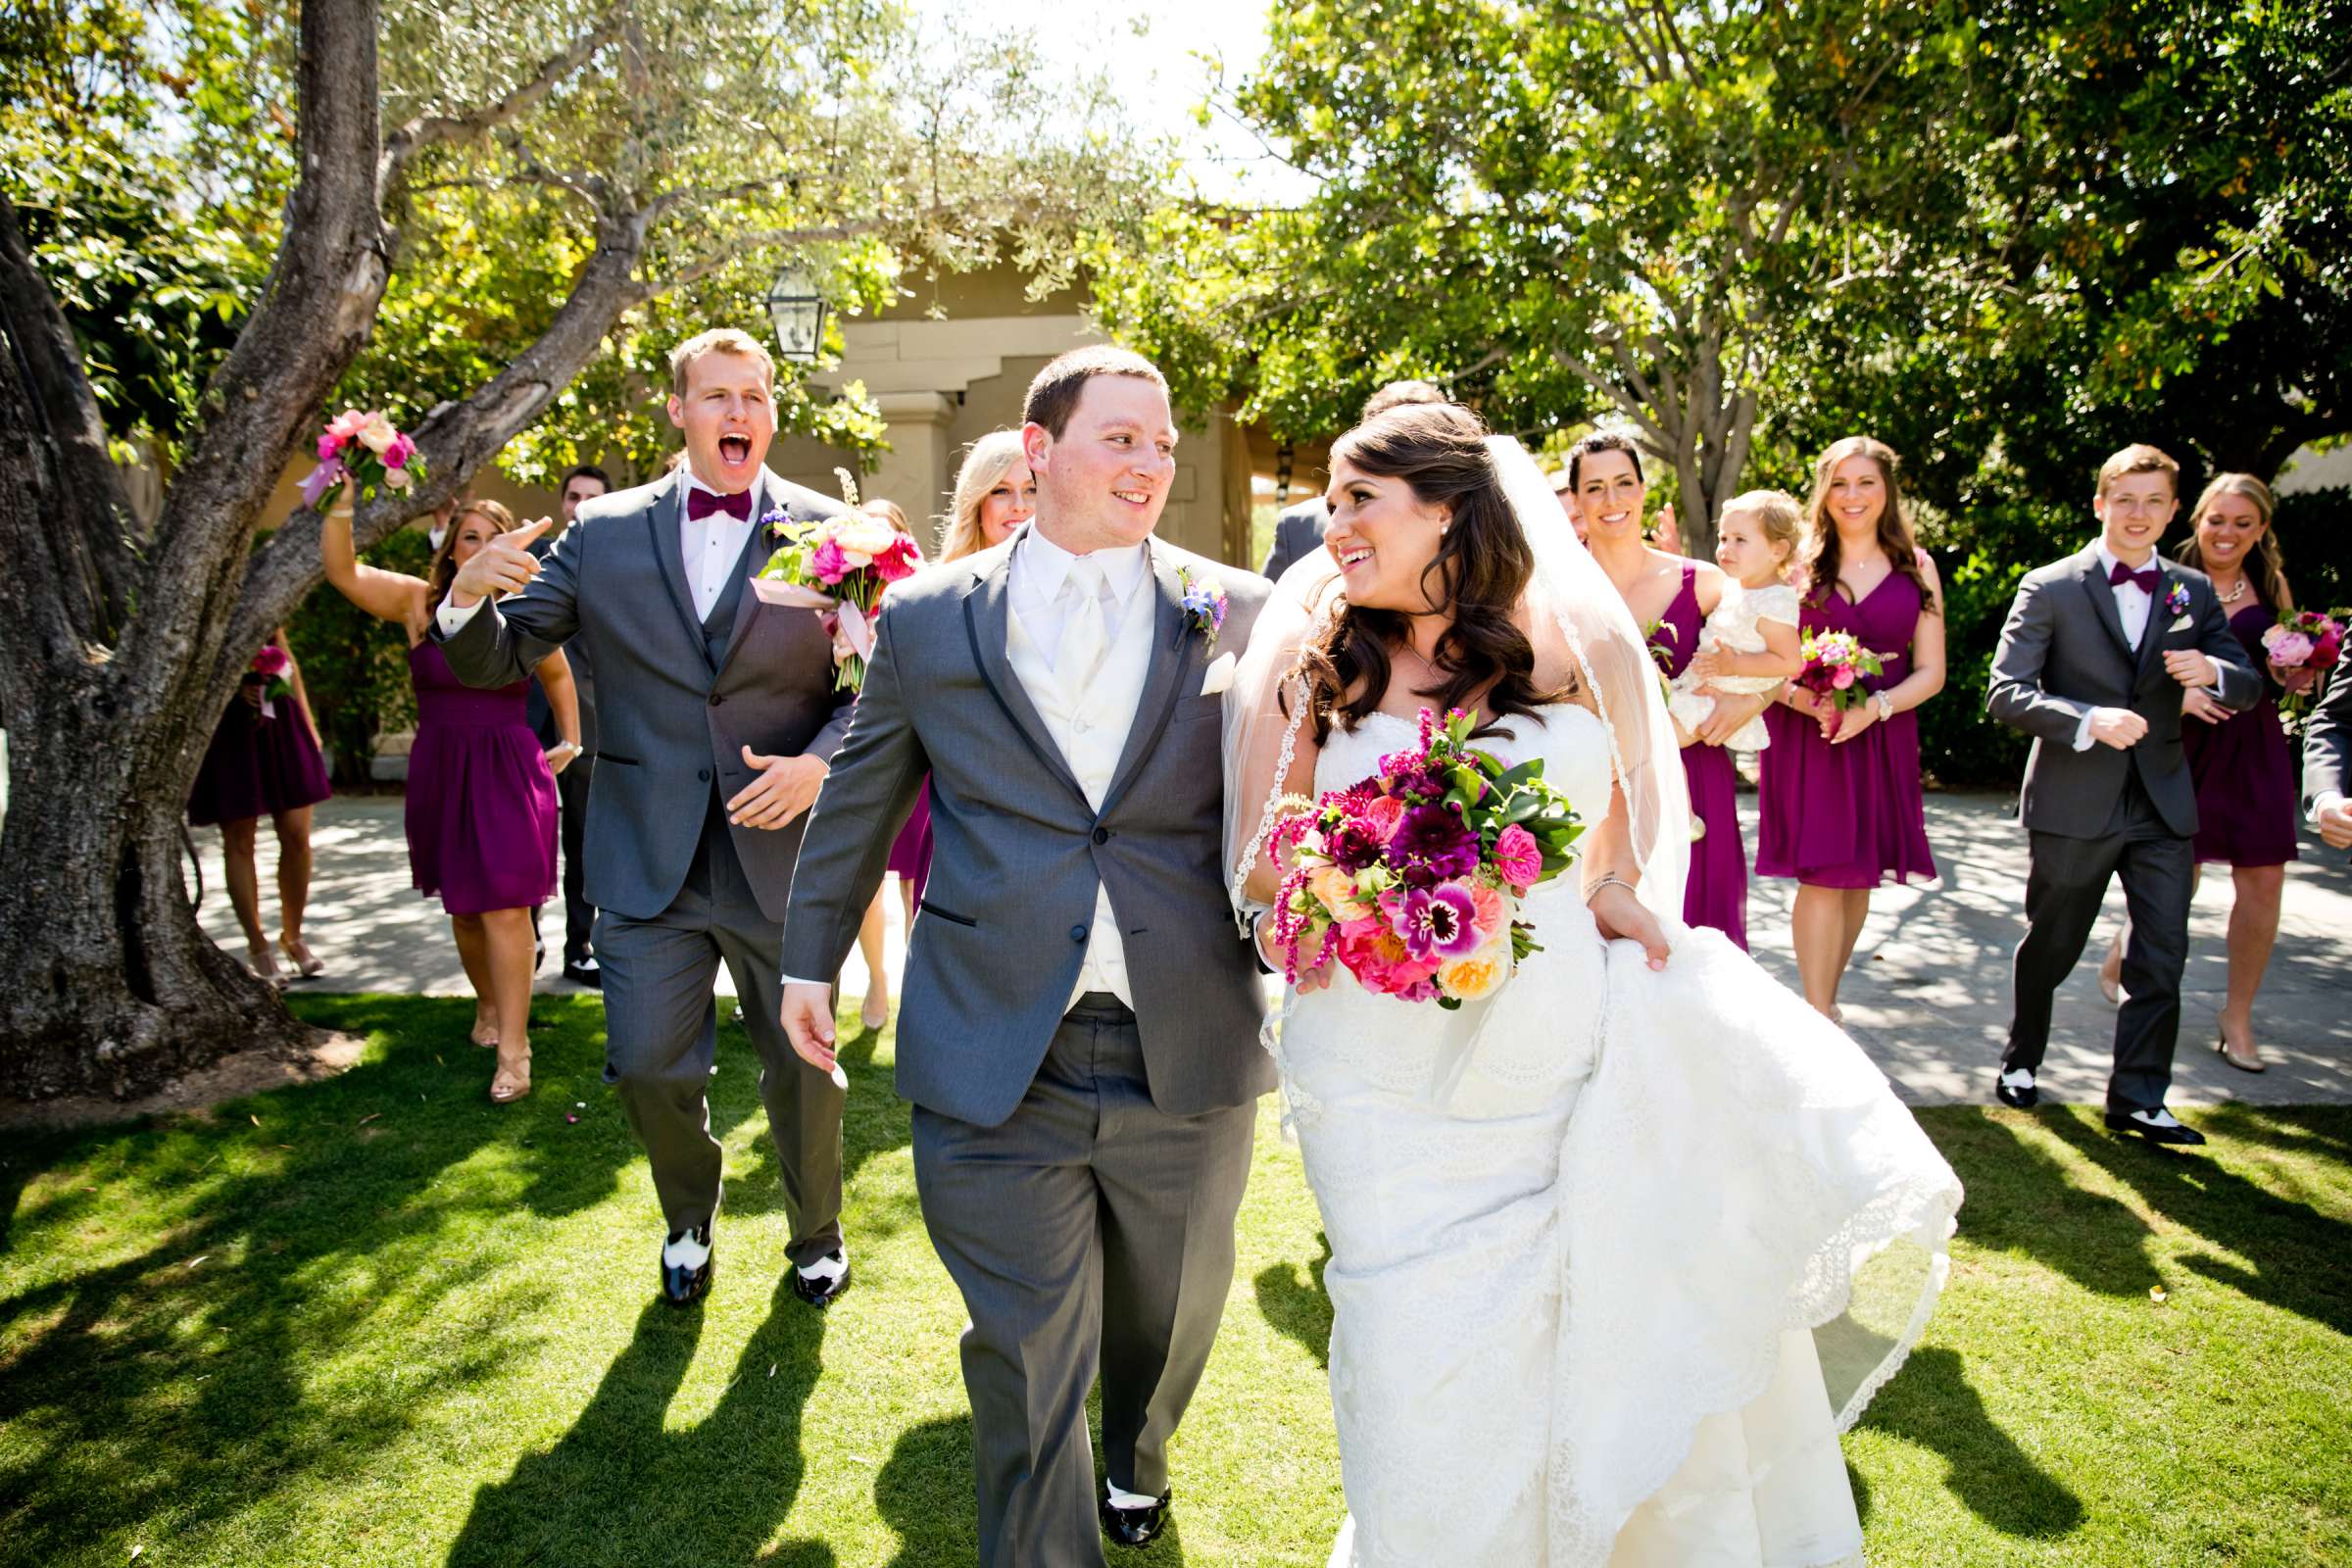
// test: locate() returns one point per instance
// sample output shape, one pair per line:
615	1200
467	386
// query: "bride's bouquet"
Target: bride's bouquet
838	567
1835	663
1413	878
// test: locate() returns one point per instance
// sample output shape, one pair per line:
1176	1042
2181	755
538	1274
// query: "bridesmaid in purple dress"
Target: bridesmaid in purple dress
2243	765
1671	596
481	797
265	761
1840	798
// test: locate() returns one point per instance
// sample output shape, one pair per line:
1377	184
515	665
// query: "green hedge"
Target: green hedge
355	666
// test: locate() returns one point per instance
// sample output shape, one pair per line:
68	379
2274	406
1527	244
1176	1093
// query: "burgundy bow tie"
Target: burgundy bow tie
699	504
2148	579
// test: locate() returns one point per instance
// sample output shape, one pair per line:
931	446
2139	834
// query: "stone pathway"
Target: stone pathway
1928	995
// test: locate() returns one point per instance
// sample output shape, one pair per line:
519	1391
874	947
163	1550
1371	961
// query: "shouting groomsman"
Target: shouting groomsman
717	721
2092	662
581	486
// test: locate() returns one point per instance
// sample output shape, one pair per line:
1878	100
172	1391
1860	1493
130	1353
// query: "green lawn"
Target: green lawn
376	1320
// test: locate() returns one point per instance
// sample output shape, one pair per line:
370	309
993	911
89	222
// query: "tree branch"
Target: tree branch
73	558
403	145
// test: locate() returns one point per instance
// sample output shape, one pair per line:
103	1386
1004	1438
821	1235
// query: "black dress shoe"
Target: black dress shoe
822	1293
1137	1527
584	973
2156	1126
2024	1097
682	1286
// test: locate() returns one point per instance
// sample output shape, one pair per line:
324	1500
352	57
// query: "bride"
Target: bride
1617	1252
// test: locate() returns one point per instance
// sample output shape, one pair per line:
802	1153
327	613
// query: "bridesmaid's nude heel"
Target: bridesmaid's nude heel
510	1083
2220	1046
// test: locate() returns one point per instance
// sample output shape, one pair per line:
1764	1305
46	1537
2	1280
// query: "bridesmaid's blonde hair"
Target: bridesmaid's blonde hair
992	457
2267	570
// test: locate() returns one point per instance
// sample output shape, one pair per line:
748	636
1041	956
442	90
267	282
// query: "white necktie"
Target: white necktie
1085	634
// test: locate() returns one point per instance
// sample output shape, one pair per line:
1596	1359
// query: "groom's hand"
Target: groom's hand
808	1020
786	787
2119	727
504	566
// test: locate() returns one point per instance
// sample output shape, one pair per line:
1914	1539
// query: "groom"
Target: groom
716	719
1078	1028
2092	662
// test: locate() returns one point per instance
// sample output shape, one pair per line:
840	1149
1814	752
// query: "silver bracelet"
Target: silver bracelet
1593	892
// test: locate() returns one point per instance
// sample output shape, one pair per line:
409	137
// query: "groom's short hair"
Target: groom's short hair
718	340
1057	387
2138	458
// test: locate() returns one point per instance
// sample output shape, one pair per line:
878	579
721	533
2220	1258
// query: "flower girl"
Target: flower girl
1749	644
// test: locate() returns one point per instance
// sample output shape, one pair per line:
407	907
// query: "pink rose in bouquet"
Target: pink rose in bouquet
838	567
1410	879
367	450
1836	665
270	665
2305	639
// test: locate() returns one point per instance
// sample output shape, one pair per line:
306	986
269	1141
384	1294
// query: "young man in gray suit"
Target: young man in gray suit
2092	662
1299	531
1078	1028
718	720
2327	773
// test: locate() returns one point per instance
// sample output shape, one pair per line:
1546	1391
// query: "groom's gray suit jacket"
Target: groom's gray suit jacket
678	698
1019	853
2062	653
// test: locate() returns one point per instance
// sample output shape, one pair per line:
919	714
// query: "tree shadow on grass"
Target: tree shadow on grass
621	1487
1301	1311
1932	1404
2299	1254
270	1239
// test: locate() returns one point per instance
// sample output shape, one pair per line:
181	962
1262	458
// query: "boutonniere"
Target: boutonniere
2177	600
1204	604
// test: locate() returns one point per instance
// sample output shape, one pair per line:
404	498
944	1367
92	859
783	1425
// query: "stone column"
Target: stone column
913	472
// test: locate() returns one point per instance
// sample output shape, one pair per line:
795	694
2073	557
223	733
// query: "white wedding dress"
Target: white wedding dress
1581	1233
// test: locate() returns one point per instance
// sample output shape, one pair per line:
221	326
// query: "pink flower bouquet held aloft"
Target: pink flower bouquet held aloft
2306	639
1836	662
367	450
1411	879
838	567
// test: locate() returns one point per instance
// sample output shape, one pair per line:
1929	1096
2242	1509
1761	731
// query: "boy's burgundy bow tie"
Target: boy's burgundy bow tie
699	504
2119	573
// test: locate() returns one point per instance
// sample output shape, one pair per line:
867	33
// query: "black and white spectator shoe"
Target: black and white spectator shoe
2015	1089
821	1283
1133	1520
2156	1126
686	1264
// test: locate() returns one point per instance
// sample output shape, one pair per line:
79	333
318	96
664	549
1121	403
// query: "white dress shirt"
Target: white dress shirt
1088	710
710	548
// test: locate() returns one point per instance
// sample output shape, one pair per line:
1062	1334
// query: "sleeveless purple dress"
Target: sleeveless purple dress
1717	893
1851	815
910	850
482	804
2244	770
257	766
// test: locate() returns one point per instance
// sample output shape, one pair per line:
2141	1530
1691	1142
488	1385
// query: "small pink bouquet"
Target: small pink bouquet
2307	639
1836	662
368	451
837	566
270	665
1413	878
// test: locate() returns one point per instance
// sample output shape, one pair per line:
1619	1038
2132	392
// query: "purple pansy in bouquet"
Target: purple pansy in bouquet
368	451
1836	662
1411	879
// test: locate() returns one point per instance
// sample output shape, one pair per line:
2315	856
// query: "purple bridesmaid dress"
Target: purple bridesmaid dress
2244	770
1717	893
1850	816
910	850
257	766
481	804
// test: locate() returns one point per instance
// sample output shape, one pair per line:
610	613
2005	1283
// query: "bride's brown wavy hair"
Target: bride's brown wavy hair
1480	572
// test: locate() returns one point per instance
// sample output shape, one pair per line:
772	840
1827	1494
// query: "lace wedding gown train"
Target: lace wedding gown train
1581	1236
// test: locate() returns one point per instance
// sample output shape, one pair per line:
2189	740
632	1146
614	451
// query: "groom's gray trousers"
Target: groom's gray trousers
661	1037
1088	1217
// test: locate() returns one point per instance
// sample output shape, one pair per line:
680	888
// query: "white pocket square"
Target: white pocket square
1218	677
2183	624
